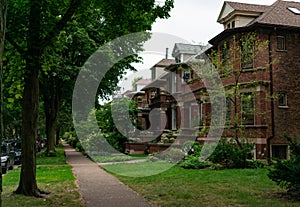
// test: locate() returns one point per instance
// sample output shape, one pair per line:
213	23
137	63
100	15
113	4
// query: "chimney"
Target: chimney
167	51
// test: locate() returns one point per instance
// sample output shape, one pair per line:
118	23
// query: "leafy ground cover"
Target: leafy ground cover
52	175
117	158
182	187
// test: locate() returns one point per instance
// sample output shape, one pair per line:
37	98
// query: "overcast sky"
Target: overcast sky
196	20
191	21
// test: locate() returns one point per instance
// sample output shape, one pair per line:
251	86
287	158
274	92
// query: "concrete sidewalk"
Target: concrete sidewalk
98	188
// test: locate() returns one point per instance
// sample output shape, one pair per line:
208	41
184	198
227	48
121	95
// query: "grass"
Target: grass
117	158
52	175
181	187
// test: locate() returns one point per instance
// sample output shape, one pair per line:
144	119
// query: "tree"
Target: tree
3	12
117	137
31	49
42	22
234	61
80	38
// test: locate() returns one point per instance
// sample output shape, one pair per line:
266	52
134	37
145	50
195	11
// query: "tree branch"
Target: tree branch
19	49
74	4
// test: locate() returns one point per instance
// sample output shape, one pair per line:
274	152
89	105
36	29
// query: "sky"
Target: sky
192	21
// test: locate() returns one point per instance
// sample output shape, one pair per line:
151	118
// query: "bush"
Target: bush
286	173
173	155
230	155
192	162
192	148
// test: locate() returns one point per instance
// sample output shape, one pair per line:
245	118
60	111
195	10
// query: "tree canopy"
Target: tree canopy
53	39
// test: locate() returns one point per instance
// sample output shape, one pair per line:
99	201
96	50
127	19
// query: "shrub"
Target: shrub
79	147
286	173
193	162
192	148
230	155
172	155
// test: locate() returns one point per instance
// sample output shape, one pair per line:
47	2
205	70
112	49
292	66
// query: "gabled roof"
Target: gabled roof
164	63
186	49
247	7
276	15
229	8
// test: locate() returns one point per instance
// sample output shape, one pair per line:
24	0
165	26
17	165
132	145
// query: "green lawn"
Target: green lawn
52	175
181	187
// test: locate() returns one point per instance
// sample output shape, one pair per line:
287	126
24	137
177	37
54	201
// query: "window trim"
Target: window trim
283	39
276	145
253	97
283	104
244	64
184	72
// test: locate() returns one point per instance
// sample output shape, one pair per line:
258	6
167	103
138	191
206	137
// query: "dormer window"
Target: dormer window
233	24
178	59
294	10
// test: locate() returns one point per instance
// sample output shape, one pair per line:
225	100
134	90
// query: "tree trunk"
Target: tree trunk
51	108
3	12
30	105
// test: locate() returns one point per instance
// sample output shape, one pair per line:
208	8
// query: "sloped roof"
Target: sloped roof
275	15
229	8
186	49
164	63
279	14
247	7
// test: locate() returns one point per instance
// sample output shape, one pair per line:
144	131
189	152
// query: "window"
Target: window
233	24
279	151
186	75
228	26
200	114
282	99
247	112
294	10
228	110
174	118
247	54
281	43
174	82
178	59
153	74
225	68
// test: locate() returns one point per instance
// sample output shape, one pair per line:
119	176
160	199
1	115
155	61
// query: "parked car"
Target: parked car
17	149
7	157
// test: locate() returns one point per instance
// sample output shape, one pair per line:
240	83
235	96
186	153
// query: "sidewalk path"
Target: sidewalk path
98	188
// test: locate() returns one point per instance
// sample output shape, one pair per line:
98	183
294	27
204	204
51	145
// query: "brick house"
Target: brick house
266	106
275	69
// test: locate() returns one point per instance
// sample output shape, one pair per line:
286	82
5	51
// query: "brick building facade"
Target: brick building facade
266	106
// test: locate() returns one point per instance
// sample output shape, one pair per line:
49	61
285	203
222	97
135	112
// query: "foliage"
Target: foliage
286	173
116	140
172	155
192	148
107	123
234	61
230	155
194	162
46	35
